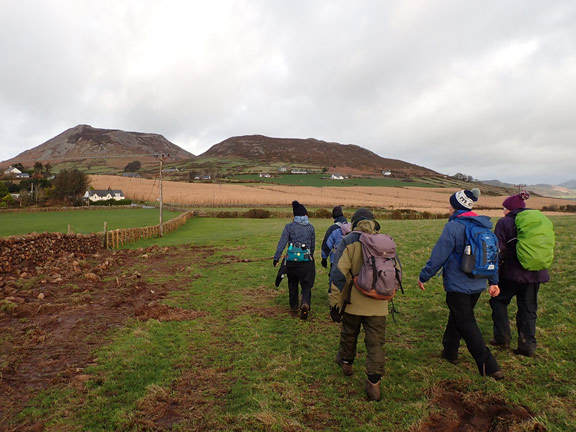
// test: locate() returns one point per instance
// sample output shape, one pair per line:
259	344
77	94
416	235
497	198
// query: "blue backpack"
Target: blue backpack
480	258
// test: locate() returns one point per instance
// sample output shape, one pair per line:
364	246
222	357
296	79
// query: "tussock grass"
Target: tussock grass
247	365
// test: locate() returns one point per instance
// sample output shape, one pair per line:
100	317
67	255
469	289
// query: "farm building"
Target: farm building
12	170
15	172
336	177
104	195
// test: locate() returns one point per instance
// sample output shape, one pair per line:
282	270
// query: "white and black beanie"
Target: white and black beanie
464	199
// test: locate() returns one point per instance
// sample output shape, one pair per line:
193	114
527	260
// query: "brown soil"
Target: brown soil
463	411
51	321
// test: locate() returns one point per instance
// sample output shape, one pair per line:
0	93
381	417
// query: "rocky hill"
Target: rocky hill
109	150
342	158
86	142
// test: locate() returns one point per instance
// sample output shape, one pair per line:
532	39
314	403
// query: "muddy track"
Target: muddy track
52	320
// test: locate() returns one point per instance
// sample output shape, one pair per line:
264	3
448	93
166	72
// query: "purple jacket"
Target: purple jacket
510	267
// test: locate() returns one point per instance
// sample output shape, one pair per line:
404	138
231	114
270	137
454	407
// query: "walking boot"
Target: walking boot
499	344
344	365
449	359
498	375
372	390
304	310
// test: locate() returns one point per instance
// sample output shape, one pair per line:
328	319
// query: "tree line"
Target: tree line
43	188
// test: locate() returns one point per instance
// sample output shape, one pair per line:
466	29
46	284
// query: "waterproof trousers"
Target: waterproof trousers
303	274
527	301
375	331
462	325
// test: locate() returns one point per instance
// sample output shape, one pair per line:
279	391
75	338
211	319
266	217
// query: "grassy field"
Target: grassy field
252	367
80	221
321	180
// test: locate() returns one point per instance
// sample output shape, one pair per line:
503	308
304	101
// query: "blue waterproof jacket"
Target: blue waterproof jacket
325	250
335	238
448	253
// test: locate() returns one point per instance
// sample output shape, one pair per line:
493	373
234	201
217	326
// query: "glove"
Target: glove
335	314
275	263
324	263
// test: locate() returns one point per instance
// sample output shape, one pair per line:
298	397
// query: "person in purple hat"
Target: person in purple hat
515	281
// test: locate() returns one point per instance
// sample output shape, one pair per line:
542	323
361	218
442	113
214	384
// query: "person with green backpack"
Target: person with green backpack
526	240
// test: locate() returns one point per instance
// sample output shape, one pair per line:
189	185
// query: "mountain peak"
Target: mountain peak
343	158
85	142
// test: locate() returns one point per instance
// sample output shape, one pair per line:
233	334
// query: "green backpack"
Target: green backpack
535	247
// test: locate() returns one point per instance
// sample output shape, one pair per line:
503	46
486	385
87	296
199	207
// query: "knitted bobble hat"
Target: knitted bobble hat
337	212
361	214
517	201
298	209
464	199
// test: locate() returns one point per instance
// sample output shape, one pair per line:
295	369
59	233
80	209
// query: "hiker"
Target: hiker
300	237
327	250
515	281
462	291
335	238
356	310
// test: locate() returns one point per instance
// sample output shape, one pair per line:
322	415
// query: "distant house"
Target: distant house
386	172
131	174
104	195
22	175
336	177
283	169
264	175
12	171
299	171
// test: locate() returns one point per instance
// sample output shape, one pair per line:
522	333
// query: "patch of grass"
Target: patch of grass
80	221
319	180
274	372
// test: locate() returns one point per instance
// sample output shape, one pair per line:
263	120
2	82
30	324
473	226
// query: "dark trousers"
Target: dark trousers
527	301
303	274
462	325
375	332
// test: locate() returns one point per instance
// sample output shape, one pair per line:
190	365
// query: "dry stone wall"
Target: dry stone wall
32	249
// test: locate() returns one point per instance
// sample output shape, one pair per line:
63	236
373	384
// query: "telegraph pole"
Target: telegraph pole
162	157
520	187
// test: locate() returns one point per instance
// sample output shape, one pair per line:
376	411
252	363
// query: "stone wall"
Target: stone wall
32	249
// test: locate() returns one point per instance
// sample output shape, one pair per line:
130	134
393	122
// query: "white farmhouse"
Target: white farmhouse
336	177
12	171
104	195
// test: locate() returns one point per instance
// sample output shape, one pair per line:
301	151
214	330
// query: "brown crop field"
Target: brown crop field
433	200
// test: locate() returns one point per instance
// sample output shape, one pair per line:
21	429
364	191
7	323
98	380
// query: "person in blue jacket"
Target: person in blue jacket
462	292
326	250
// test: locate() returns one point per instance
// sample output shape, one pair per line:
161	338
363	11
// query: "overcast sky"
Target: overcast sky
485	88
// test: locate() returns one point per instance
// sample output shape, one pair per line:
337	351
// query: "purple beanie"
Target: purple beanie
516	201
464	199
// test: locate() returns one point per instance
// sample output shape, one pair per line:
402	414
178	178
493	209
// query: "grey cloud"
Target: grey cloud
454	86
